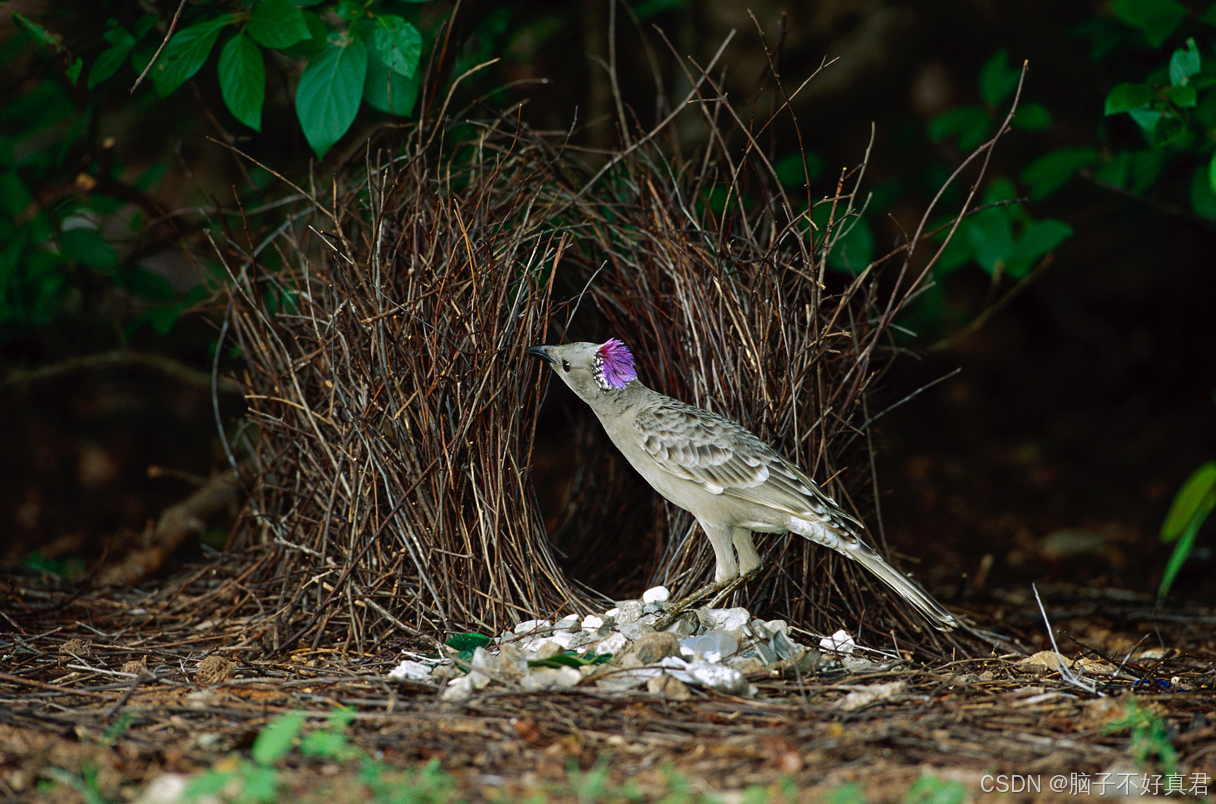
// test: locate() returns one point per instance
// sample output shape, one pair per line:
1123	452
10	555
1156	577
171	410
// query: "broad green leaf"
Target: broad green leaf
467	641
144	283
1156	19
389	91
14	194
855	248
1209	16
1125	97
991	237
275	741
330	90
186	53
1184	63
997	79
72	71
1182	551
1203	196
793	170
87	247
958	251
1032	117
397	43
318	37
1049	172
1189	510
277	24
1183	97
1194	500
107	64
970	125
40	35
1147	119
1039	238
243	80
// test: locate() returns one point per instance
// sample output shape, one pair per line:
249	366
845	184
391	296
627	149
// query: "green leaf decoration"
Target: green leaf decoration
277	24
243	80
1156	19
186	53
397	43
1194	500
570	659
330	90
469	641
87	247
1051	171
387	90
1125	97
275	741
1184	63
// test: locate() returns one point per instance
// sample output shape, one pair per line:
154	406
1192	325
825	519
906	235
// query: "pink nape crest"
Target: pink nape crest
614	365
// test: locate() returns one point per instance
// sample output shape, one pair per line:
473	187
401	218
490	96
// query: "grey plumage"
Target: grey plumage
725	476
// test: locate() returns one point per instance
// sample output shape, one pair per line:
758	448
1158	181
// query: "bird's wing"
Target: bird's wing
724	458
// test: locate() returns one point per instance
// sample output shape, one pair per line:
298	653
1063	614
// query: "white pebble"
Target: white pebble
658	594
591	622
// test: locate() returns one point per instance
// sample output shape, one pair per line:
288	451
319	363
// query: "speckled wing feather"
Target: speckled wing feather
724	458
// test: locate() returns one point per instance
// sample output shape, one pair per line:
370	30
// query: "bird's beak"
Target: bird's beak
541	352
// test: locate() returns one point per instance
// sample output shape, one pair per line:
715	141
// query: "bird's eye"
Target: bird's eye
565	365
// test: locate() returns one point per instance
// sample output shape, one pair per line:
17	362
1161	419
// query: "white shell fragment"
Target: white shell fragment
714	649
658	594
409	670
839	642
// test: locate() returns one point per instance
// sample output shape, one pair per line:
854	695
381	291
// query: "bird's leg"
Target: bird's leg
719	589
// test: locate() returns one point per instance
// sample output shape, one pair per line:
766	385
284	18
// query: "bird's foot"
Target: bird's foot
720	591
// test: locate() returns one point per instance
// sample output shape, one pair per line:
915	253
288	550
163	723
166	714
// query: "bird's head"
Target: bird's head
590	369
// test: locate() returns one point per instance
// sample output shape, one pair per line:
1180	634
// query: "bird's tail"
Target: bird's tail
907	589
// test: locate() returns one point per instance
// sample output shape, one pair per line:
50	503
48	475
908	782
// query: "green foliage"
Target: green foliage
1149	737
259	780
932	790
1172	106
1190	509
371	59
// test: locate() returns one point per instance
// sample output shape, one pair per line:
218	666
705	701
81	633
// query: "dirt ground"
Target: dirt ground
103	692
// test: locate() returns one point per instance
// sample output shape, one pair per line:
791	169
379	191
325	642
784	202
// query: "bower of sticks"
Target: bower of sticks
406	475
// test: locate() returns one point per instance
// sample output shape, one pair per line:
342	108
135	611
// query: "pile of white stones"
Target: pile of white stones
711	648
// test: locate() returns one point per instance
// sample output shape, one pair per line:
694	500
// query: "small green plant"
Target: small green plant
1190	509
932	790
257	780
1149	737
